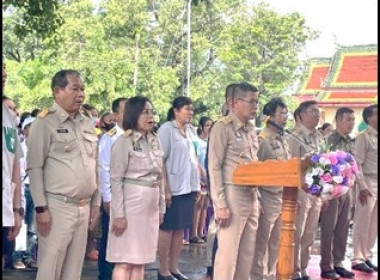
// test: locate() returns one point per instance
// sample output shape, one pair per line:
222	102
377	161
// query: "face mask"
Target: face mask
94	120
108	126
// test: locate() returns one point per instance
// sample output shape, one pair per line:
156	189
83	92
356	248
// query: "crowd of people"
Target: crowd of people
67	170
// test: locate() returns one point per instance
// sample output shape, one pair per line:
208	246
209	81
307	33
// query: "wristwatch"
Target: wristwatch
40	209
21	211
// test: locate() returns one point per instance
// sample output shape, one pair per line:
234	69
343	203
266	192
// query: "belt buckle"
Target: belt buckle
82	203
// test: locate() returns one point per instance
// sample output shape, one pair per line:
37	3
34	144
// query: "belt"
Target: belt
142	182
63	198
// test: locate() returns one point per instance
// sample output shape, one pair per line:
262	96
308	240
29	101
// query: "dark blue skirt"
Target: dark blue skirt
181	212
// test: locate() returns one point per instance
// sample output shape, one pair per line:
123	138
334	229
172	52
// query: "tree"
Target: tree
39	18
127	48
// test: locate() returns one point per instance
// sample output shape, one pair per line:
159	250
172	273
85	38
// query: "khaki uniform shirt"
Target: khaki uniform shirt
272	146
62	155
366	145
311	140
231	142
136	160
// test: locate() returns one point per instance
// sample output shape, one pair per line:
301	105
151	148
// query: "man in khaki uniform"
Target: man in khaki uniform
234	141
335	216
365	220
212	242
62	169
309	206
272	145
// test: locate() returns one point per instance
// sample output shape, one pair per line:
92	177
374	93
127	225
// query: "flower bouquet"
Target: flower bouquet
331	174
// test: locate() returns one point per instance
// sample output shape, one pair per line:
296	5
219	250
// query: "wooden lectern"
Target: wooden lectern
290	175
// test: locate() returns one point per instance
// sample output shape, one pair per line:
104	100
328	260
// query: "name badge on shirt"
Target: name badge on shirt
62	130
238	136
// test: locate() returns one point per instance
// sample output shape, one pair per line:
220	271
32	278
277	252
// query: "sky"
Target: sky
342	22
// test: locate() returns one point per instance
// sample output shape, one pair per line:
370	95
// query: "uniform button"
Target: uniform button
66	149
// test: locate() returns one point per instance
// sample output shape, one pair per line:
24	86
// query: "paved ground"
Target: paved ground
193	265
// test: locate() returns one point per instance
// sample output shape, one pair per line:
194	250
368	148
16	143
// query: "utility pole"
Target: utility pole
188	47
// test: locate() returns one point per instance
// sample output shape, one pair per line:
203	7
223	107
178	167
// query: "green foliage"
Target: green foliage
127	48
39	18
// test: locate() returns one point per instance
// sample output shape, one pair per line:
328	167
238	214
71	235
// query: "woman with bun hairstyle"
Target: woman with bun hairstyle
272	145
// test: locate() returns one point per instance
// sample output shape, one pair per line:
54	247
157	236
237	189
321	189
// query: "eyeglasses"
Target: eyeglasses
148	111
314	112
252	103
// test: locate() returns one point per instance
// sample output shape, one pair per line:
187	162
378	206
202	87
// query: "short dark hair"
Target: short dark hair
35	112
305	105
229	91
368	112
116	103
241	88
23	116
60	78
296	113
341	111
325	125
178	103
132	111
271	107
88	107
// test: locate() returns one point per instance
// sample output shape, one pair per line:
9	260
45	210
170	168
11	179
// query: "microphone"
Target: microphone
279	127
282	130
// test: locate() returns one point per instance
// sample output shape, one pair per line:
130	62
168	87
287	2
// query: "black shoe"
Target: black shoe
301	278
307	277
371	265
179	276
363	267
344	272
330	274
162	277
210	271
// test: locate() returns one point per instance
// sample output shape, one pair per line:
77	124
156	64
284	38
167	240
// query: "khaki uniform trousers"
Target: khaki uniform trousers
309	208
335	222
61	253
211	234
365	225
268	235
236	243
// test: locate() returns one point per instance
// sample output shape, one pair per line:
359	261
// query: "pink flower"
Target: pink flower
337	191
326	178
333	157
354	167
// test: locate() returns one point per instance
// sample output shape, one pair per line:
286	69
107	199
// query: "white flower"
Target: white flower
327	188
309	179
324	161
338	179
317	171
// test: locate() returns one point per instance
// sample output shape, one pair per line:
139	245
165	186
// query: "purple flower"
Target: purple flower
315	158
349	157
314	189
335	170
345	181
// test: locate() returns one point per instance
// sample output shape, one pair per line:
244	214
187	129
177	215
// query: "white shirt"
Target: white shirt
180	158
105	144
11	151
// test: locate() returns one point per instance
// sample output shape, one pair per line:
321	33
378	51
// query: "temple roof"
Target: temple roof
348	79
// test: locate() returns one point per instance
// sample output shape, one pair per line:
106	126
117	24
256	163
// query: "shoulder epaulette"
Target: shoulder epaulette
128	133
262	135
225	119
111	132
44	112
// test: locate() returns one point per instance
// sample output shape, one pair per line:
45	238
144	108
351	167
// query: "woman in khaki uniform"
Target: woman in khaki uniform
272	145
137	186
